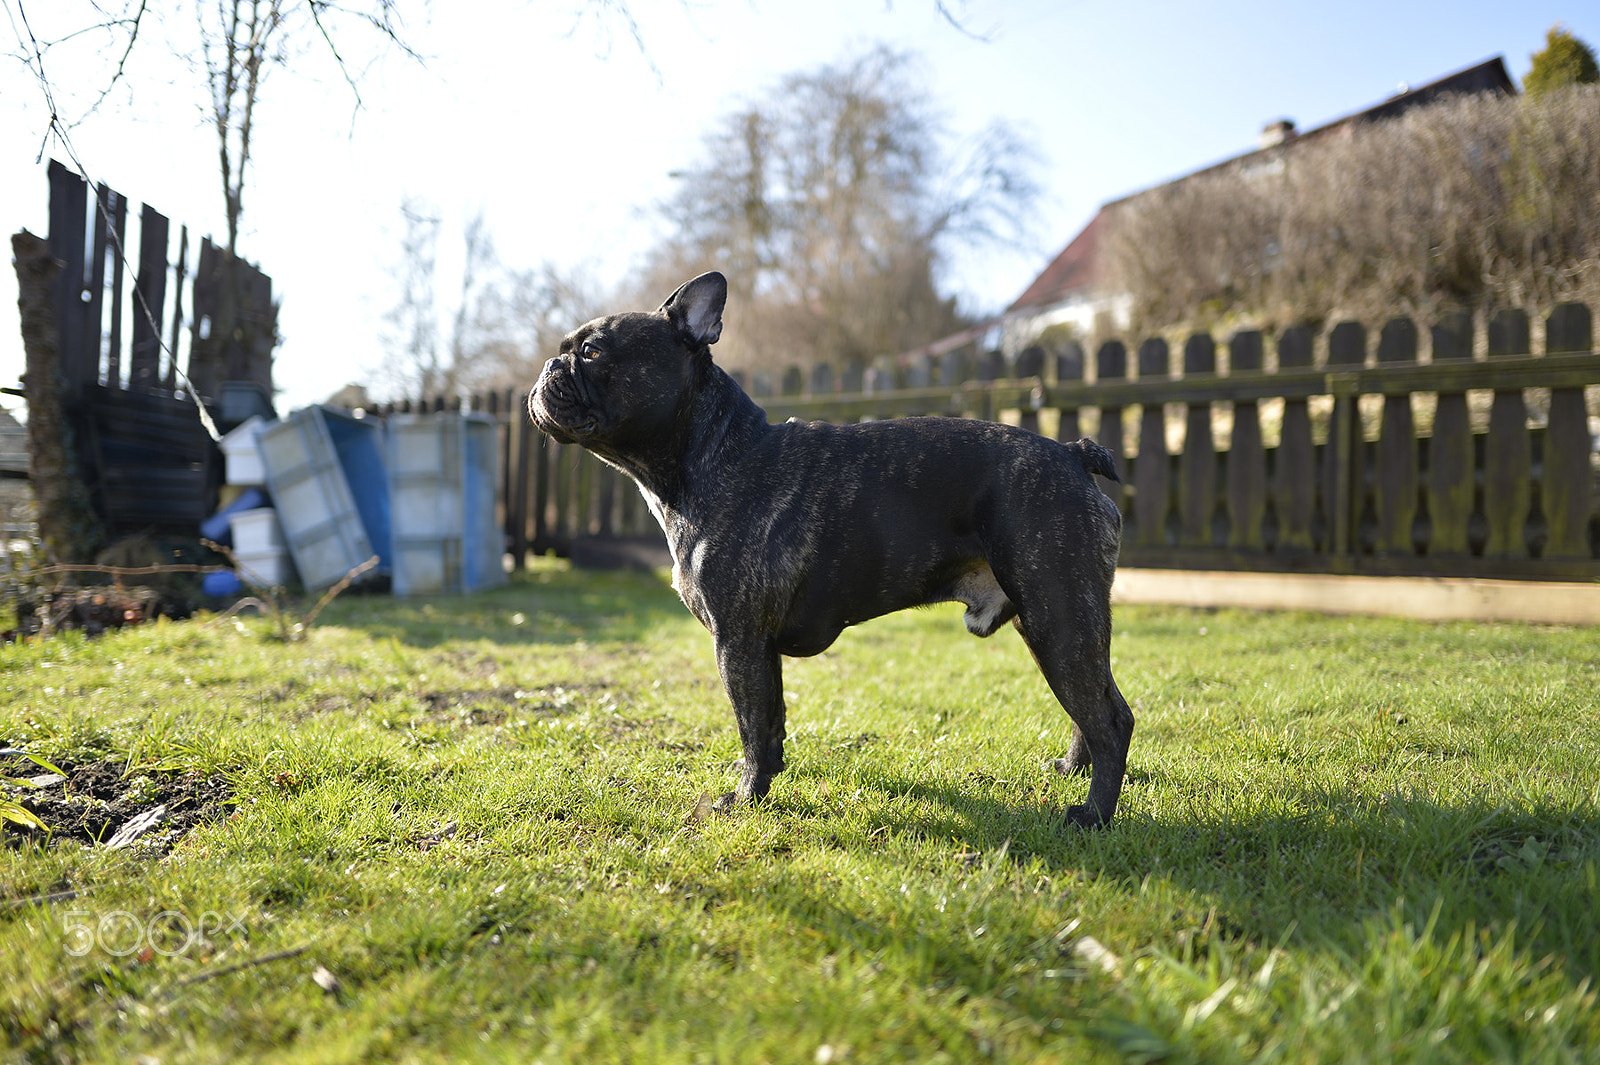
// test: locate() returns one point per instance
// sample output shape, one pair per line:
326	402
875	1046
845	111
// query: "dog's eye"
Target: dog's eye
589	349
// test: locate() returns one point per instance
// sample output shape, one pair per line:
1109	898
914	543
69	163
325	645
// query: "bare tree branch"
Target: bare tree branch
603	11
943	7
384	21
34	58
132	25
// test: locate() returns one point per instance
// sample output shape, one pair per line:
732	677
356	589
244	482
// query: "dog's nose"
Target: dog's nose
555	363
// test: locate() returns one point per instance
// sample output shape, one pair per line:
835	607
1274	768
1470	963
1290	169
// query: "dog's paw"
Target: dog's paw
1085	816
724	803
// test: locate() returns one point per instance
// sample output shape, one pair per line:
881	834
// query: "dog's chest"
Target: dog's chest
681	546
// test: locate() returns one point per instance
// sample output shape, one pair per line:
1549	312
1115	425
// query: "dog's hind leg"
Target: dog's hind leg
1074	655
1078	758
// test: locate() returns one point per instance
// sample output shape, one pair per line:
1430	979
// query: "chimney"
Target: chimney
1276	133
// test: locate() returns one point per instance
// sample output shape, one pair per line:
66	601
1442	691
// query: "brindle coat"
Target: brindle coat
783	535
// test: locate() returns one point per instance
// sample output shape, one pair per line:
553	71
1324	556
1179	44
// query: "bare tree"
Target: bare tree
239	43
472	330
428	360
831	203
243	40
521	318
413	323
503	322
235	50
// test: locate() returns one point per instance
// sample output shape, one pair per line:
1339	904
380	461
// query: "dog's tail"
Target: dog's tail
1097	458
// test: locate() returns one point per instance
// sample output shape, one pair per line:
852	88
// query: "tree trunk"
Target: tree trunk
68	527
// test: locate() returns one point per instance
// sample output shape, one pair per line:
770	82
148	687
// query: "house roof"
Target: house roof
13	443
1075	272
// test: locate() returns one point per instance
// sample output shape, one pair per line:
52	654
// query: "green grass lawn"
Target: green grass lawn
475	829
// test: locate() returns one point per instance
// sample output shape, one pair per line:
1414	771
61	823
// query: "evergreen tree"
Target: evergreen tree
1565	61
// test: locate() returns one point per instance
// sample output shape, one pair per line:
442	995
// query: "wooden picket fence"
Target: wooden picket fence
1451	450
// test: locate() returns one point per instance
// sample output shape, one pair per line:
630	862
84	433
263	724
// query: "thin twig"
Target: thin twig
133	25
35	63
338	59
119	571
344	582
274	609
212	974
244	604
954	20
40	900
229	970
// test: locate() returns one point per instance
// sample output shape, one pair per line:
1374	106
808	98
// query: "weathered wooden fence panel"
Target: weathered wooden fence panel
1152	501
1452	452
147	458
1247	456
1569	444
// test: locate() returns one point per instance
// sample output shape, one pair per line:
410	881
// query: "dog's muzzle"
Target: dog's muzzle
557	403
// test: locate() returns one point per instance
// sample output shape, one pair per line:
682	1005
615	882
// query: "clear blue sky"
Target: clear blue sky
565	135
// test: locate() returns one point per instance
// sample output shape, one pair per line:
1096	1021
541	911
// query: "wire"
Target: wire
35	62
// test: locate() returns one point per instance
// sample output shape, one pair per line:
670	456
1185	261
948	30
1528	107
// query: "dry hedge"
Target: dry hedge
1475	202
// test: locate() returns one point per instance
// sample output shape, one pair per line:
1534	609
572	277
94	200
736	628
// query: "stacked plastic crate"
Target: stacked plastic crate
260	553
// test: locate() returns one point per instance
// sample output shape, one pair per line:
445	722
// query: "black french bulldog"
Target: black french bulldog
782	535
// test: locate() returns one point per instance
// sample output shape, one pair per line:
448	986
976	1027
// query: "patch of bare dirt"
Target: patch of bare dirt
98	803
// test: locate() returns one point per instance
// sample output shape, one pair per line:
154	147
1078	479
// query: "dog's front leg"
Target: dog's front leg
752	674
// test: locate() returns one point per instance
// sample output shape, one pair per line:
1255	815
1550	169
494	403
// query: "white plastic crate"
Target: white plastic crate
241	457
265	569
257	532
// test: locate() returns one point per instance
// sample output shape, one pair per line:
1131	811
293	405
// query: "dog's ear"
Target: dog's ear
696	308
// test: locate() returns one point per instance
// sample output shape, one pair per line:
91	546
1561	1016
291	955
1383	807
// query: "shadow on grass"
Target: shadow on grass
1317	864
548	605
